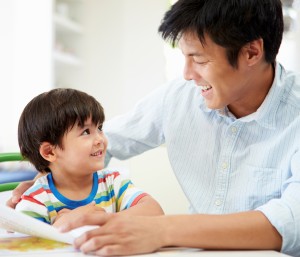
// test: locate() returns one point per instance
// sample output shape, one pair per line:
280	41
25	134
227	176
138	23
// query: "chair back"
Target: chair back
8	157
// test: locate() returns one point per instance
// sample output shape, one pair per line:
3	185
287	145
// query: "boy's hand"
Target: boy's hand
17	193
61	213
65	215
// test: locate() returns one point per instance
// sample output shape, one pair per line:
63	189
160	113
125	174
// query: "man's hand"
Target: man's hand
17	193
118	234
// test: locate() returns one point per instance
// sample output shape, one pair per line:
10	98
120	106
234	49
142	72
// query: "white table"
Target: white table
171	253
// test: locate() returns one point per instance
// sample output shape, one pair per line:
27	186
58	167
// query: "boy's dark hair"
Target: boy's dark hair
49	116
229	23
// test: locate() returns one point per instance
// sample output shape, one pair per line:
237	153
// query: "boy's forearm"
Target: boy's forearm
146	206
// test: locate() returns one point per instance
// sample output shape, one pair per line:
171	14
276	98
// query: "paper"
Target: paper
12	220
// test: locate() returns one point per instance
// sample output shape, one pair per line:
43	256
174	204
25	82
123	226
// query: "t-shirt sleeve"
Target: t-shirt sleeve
35	203
127	195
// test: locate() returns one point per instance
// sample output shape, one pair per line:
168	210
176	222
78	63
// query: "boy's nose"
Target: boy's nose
99	139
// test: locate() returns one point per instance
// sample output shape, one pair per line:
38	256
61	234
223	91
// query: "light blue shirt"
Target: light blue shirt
224	164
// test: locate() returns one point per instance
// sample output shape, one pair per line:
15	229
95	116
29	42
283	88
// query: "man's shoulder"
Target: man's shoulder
181	84
181	90
290	81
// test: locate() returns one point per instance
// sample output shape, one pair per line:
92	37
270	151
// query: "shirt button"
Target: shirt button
224	165
233	130
218	202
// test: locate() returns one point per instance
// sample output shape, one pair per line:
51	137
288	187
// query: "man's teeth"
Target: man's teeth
205	87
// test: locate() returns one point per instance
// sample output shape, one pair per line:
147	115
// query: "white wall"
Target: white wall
25	62
289	54
129	61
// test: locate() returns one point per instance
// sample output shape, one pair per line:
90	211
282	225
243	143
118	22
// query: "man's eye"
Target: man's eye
201	63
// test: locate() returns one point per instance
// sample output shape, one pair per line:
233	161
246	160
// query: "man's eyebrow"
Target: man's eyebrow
196	54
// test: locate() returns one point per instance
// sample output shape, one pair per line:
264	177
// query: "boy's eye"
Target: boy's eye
100	128
86	132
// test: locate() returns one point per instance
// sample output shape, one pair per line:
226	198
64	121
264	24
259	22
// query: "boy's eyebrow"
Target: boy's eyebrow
88	124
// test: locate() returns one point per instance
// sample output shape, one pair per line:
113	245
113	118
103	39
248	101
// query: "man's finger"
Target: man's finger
17	193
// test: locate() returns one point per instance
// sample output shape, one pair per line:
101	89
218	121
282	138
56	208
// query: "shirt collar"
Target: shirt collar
266	113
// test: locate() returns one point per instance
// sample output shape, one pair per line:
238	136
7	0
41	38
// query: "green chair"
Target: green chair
8	157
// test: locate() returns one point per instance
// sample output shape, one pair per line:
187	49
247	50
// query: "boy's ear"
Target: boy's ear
254	51
47	151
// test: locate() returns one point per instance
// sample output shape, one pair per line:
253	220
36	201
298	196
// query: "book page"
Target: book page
12	220
16	244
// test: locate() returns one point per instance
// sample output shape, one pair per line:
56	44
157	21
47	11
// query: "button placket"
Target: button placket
218	202
224	167
233	130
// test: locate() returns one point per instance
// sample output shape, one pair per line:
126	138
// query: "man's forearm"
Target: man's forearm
247	230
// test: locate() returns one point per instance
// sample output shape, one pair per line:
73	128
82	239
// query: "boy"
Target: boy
60	133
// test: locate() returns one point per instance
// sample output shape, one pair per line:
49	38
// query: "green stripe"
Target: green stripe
36	215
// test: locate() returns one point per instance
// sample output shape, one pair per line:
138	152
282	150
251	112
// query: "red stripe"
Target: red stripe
137	199
30	199
37	192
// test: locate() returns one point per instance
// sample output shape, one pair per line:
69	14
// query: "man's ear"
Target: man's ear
253	52
47	151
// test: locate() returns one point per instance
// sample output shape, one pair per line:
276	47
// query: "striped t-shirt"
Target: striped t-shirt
110	190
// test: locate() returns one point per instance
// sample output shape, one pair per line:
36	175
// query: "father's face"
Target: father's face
207	65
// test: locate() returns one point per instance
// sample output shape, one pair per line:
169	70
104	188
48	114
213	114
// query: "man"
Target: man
232	132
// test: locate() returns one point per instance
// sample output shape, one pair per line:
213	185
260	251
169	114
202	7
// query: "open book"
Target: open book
12	220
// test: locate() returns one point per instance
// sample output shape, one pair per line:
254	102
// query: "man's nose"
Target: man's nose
188	71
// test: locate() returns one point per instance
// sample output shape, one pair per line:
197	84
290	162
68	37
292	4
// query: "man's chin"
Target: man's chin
213	106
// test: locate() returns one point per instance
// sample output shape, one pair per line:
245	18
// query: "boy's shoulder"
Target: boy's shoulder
107	172
115	172
41	184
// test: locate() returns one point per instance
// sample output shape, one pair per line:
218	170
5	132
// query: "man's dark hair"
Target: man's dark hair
229	23
49	116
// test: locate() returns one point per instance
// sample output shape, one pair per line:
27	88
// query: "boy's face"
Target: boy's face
83	150
221	84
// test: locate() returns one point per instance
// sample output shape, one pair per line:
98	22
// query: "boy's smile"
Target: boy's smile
83	150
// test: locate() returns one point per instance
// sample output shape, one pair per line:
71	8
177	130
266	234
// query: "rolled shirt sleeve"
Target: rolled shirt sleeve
284	213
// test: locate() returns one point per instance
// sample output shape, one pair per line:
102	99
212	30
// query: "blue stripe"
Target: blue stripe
124	188
104	198
72	204
133	198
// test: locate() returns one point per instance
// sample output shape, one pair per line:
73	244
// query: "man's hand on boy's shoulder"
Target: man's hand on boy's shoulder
18	192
